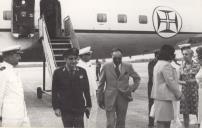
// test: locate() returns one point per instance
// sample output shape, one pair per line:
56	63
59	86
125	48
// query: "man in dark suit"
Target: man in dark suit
114	87
1	58
51	10
70	91
98	66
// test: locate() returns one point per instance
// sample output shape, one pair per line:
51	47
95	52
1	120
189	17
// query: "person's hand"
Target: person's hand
88	108
132	88
182	82
101	105
182	97
87	111
57	112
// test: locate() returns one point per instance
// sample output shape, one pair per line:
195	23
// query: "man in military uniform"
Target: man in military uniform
70	91
12	105
84	62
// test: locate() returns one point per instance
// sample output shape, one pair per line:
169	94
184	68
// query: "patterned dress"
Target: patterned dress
190	90
199	80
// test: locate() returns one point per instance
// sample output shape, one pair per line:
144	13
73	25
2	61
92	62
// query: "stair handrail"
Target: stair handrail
69	31
43	34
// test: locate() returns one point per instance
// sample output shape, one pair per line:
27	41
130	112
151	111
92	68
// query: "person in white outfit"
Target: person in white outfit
84	62
12	105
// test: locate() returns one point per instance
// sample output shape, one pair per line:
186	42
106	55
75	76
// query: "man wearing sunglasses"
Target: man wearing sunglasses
115	90
12	105
70	91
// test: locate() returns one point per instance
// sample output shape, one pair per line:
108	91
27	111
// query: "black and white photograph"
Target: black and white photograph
101	63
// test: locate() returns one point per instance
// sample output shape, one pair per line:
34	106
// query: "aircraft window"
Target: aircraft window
142	19
122	18
7	15
101	17
23	13
23	2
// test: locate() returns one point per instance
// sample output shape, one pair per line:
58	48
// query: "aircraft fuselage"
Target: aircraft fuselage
132	25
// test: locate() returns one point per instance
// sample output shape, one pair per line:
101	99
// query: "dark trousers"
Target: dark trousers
150	103
72	120
117	115
151	119
97	73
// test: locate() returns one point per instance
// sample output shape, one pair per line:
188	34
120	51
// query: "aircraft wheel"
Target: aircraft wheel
39	93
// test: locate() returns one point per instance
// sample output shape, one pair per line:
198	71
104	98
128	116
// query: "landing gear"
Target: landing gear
39	92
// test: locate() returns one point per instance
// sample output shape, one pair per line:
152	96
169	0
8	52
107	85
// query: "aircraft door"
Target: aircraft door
23	18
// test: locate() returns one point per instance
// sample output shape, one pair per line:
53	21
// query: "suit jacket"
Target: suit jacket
111	85
165	85
151	65
69	90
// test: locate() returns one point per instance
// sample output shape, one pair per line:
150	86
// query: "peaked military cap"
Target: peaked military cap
11	50
185	46
85	50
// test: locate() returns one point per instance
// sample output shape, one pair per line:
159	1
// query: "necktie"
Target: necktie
117	70
72	71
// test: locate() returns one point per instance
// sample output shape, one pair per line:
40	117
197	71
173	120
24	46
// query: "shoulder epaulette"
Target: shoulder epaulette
2	68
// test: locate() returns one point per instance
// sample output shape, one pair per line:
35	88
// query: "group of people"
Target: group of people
168	84
77	94
74	89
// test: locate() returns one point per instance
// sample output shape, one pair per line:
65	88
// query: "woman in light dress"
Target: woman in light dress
166	88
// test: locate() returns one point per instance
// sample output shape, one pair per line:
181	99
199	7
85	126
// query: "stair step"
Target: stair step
59	64
58	49
61	44
62	37
58	54
59	58
60	61
60	40
67	46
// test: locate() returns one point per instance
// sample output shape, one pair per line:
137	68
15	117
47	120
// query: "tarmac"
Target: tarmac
41	114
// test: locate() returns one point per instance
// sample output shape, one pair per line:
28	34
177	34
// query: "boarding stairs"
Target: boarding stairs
59	45
53	51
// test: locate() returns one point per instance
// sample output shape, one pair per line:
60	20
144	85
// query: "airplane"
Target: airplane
135	26
138	27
